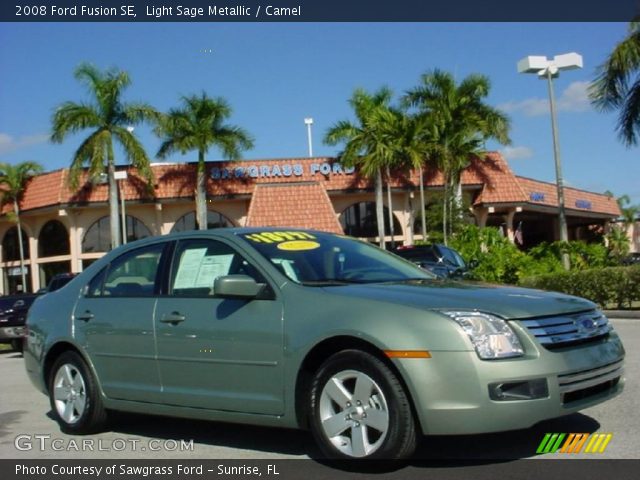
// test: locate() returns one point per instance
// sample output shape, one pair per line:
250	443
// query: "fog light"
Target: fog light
523	390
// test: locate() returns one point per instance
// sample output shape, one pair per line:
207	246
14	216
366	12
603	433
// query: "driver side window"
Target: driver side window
197	264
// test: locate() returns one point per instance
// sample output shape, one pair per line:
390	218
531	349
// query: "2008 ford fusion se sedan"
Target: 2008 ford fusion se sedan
304	329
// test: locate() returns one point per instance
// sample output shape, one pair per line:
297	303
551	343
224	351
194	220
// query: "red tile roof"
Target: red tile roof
300	205
543	193
492	174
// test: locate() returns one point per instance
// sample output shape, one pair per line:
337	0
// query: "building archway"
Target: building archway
98	235
53	240
10	249
11	253
188	221
359	220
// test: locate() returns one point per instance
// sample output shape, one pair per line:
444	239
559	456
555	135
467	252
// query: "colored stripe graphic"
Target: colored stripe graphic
598	443
550	443
574	443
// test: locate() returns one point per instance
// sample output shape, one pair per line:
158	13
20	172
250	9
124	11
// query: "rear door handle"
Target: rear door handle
86	316
173	318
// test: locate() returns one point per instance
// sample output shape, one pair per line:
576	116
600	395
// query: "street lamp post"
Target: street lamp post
550	69
122	175
308	122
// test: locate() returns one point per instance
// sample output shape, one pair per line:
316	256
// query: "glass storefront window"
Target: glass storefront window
188	222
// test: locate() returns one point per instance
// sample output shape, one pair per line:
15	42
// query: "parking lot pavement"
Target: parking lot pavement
27	429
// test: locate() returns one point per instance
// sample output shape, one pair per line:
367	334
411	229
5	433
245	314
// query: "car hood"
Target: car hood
506	302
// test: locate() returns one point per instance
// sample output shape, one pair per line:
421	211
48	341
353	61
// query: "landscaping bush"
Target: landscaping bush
497	259
615	287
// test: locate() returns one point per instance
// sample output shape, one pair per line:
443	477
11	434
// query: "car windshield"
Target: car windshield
453	257
320	259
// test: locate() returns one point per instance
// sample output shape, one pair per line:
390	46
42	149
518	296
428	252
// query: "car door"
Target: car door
113	320
222	354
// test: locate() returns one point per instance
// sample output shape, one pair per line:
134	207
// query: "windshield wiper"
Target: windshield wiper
324	282
412	279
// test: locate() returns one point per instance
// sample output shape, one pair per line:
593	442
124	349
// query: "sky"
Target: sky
275	75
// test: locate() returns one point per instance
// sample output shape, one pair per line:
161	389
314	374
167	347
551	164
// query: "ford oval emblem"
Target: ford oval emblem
586	324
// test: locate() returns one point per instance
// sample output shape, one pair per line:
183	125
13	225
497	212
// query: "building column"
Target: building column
35	273
409	219
481	215
508	218
159	223
74	244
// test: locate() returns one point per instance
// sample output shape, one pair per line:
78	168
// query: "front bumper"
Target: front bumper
10	333
451	390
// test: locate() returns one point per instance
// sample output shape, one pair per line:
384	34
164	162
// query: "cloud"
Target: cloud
10	144
574	98
516	153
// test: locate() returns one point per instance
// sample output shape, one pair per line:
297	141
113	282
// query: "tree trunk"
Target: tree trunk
379	208
114	219
16	210
422	206
201	194
390	207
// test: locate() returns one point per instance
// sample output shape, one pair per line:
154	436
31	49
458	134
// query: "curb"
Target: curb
622	313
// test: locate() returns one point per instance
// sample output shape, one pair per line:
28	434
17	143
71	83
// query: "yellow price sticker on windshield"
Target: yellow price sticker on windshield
298	245
277	237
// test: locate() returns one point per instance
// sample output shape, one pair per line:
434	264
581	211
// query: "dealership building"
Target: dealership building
65	230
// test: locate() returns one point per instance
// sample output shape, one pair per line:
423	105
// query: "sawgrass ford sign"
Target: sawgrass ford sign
276	170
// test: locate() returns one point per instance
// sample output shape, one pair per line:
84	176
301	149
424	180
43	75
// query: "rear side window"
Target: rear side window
131	275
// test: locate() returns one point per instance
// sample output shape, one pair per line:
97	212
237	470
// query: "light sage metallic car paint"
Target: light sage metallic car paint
240	361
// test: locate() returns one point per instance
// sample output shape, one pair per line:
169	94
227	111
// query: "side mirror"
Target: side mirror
237	286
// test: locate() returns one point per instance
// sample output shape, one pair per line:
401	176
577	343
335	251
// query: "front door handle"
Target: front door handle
173	318
86	316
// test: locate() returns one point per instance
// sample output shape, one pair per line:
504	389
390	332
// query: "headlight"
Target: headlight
491	336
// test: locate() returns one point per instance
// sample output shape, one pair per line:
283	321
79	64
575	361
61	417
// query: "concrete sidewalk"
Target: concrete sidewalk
622	313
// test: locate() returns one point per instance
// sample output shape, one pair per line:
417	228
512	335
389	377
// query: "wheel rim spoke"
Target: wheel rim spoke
60	392
79	404
335	425
336	391
359	441
377	419
364	388
67	375
78	383
67	413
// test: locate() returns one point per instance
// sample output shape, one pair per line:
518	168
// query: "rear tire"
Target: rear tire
359	409
74	396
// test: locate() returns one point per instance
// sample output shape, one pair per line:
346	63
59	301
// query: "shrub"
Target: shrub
609	286
497	259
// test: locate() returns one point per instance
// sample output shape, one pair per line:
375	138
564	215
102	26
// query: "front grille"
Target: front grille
589	392
578	385
566	330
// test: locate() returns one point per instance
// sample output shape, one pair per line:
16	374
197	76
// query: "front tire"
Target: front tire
359	409
74	396
16	344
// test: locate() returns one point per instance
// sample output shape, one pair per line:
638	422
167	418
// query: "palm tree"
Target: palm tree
368	143
408	138
417	152
459	122
617	85
110	120
13	181
629	214
199	125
